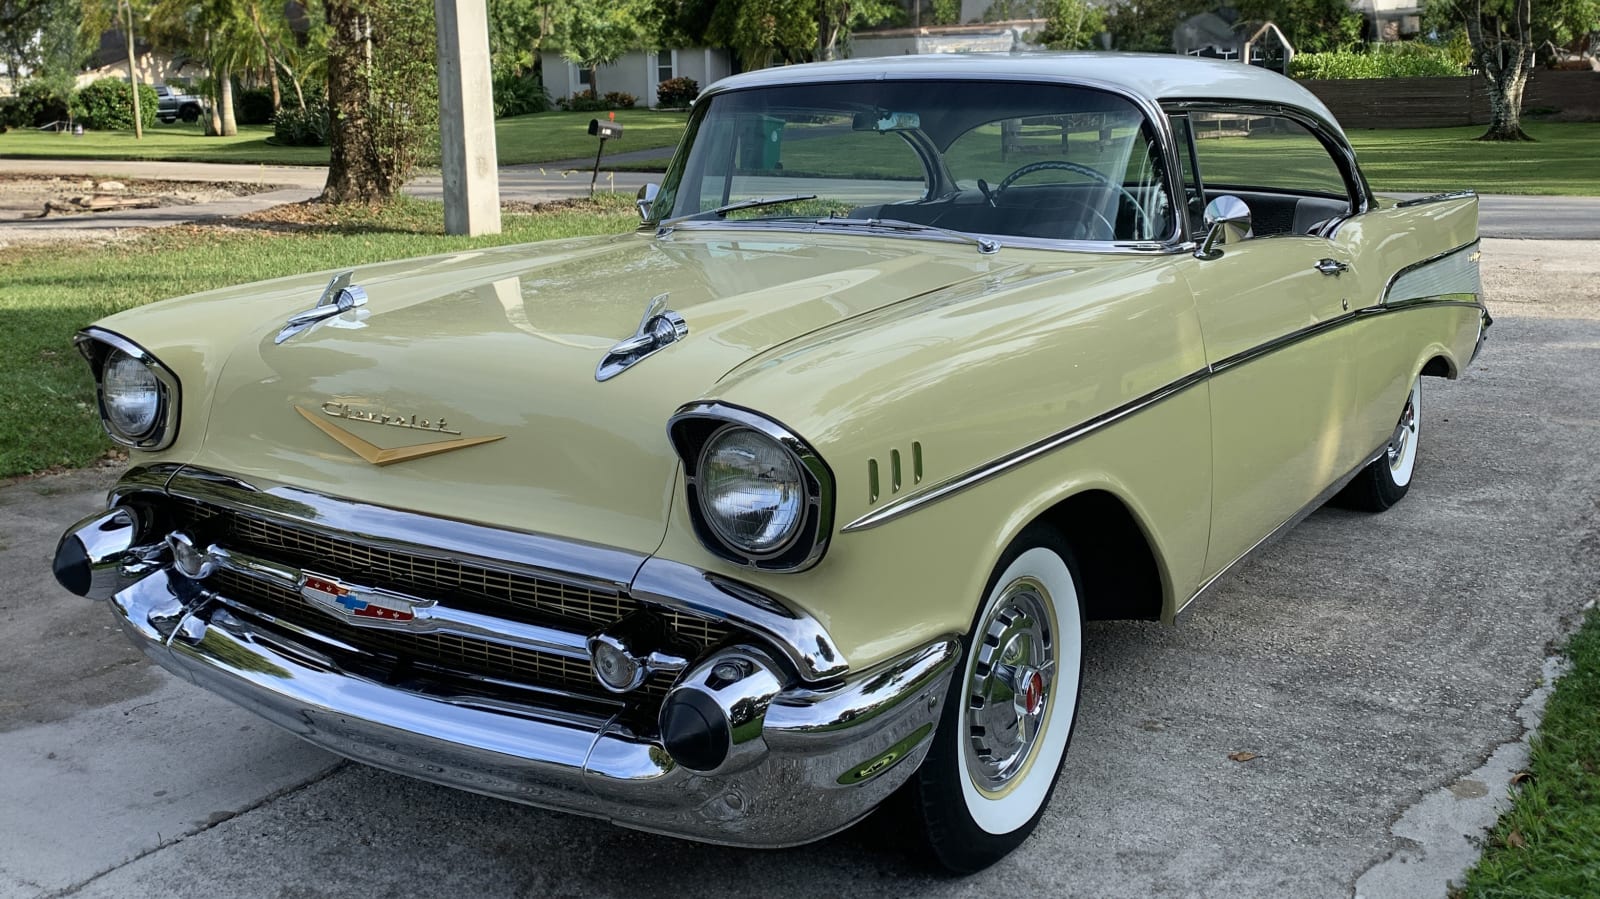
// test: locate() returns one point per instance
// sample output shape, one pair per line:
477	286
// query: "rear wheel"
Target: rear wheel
1010	710
1387	479
190	113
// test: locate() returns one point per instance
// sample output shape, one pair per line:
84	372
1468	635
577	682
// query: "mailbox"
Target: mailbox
605	130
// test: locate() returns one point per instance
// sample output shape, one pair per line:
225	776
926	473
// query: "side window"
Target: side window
1290	181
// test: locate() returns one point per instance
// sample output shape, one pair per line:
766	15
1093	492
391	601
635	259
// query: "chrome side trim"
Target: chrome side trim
951	486
565	561
801	638
429	617
1288	524
978	474
1436	198
165	429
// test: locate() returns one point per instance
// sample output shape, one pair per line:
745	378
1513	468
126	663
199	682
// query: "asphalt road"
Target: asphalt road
1368	661
1544	218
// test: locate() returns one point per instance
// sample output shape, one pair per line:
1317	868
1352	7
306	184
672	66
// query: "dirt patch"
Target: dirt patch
26	197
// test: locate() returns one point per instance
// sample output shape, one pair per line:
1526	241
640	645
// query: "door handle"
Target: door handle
1333	267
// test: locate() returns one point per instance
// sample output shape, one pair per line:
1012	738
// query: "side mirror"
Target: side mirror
1227	221
646	200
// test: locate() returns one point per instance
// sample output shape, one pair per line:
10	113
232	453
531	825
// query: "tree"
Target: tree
1146	25
765	32
1071	25
40	39
837	19
100	16
1312	26
1504	35
594	33
383	96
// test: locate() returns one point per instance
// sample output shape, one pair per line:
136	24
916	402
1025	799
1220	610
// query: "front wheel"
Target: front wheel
1387	479
1010	710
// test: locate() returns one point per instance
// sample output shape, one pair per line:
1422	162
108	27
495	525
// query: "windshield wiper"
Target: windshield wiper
985	245
722	211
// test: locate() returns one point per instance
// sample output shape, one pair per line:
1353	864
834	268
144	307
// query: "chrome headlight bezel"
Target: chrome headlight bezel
98	346
691	431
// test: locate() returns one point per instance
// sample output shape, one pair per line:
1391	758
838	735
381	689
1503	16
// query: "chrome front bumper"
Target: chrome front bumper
826	755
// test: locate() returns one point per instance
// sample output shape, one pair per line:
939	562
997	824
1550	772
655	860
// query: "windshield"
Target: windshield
1042	161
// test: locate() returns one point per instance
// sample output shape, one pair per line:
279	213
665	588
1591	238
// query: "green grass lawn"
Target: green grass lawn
47	415
1565	161
542	137
1548	844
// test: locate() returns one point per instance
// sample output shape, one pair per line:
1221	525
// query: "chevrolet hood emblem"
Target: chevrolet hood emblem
377	455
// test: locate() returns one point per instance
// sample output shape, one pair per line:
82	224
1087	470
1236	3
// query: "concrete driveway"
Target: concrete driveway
1370	662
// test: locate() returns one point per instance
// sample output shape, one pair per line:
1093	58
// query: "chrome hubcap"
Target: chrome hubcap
1009	690
1404	432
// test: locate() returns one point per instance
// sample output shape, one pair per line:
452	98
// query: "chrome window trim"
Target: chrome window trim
812	466
1155	115
165	429
1357	190
652	580
1000	465
1436	198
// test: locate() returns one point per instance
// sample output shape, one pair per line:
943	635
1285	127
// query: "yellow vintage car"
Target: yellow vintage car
799	496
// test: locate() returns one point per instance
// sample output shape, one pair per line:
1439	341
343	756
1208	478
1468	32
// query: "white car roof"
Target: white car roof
1155	77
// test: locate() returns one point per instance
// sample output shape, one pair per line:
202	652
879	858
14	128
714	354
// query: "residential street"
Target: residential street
1546	218
1369	663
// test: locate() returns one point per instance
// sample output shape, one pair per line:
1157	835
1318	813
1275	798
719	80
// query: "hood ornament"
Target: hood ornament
338	297
659	329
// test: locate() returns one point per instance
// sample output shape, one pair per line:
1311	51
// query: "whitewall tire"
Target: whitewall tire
1010	711
1387	479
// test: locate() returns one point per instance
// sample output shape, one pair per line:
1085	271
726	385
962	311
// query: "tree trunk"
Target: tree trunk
133	75
272	59
353	175
230	125
594	80
1503	52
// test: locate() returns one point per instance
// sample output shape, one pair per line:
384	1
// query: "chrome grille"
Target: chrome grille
516	596
505	594
446	651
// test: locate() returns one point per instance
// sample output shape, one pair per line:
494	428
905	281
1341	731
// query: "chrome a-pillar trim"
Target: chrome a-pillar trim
797	636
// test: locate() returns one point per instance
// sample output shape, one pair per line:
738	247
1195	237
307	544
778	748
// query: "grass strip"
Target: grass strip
48	292
1548	844
541	137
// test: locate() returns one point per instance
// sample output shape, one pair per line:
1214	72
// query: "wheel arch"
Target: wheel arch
1116	557
1440	365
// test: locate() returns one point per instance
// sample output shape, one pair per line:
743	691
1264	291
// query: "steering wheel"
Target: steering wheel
1080	169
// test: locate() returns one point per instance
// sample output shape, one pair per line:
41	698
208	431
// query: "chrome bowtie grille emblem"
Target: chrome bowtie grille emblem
356	603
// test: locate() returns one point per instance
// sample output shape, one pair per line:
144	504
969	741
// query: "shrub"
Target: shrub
588	102
519	95
295	127
253	106
104	105
1408	60
677	93
36	104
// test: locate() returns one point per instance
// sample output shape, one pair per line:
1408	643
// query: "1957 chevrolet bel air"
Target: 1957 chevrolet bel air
800	495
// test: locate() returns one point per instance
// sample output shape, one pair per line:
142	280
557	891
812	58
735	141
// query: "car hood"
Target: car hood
504	344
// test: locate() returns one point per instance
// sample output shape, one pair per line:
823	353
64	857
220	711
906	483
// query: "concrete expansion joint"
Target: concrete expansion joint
1441	835
210	823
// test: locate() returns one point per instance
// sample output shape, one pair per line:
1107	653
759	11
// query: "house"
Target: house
636	73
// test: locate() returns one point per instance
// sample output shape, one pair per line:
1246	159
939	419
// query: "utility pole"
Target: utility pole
467	158
133	72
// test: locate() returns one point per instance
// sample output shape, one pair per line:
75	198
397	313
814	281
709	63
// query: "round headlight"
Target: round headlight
130	395
751	491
